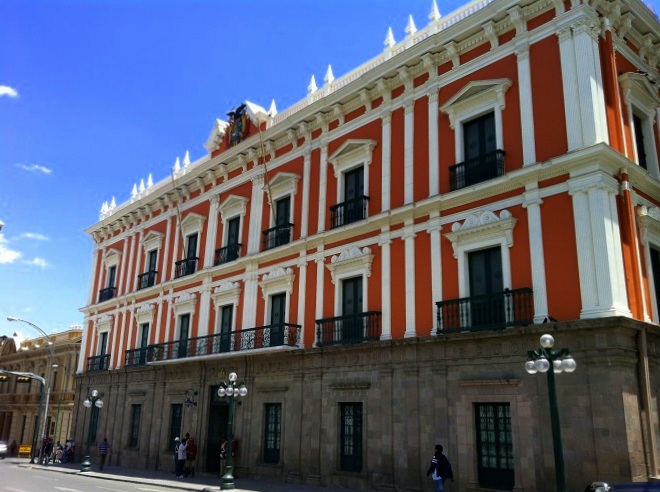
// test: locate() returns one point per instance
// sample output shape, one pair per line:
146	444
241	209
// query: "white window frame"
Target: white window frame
349	263
281	186
191	224
234	206
278	281
353	153
648	219
152	241
226	294
111	258
476	99
184	304
641	100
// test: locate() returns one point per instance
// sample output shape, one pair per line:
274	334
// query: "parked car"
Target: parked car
623	487
3	450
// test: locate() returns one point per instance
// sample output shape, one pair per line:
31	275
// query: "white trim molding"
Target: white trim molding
192	223
648	219
351	262
152	240
104	323
352	154
144	313
226	293
184	303
277	281
112	257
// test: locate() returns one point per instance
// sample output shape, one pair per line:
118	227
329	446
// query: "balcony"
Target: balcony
473	171
284	334
107	293
227	254
136	357
349	211
354	328
147	279
185	267
277	236
487	312
98	363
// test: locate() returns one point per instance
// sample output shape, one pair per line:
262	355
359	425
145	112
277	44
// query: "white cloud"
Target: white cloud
5	90
35	168
40	262
7	255
33	235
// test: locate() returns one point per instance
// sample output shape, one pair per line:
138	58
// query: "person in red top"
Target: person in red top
191	456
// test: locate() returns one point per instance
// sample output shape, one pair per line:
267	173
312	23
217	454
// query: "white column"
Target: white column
156	330
122	329
302	289
323	186
600	260
131	329
97	261
434	228
204	307
168	316
256	214
250	296
83	344
526	108
166	250
408	150
320	271
569	83
409	242
122	268
532	202
386	284
307	165
212	232
131	281
386	138
175	250
434	147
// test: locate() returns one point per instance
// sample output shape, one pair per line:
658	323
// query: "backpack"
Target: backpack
443	468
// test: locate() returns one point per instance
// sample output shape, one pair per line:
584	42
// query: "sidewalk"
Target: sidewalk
201	481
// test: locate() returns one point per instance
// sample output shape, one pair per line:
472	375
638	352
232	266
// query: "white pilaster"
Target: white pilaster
256	213
320	270
119	332
251	292
434	228
323	186
569	83
123	268
97	262
131	281
168	317
526	106
386	285
131	329
386	138
434	146
166	251
408	150
157	330
409	243
175	250
212	232
307	164
204	307
302	289
532	202
83	344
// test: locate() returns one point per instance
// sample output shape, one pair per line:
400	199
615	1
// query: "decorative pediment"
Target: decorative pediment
649	224
476	95
104	323
216	136
284	184
352	261
152	240
184	302
232	206
256	113
111	257
226	293
276	281
482	226
144	313
638	90
192	223
352	153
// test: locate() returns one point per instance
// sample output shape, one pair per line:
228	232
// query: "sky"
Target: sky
97	94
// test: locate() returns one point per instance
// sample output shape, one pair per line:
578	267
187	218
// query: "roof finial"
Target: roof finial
134	190
272	111
150	181
141	188
186	159
311	89
104	209
389	40
435	13
113	204
177	165
411	28
329	77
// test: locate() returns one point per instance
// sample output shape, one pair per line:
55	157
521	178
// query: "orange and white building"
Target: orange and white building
376	261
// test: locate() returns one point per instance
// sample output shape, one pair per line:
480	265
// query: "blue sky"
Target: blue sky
97	94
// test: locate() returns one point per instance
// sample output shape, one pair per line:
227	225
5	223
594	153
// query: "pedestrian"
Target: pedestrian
59	450
191	456
103	452
181	459
177	441
440	469
48	450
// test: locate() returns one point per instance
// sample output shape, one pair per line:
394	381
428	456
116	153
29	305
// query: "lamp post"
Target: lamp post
541	360
51	365
94	398
231	391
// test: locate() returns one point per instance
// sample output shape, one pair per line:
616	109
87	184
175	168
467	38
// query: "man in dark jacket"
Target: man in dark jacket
439	469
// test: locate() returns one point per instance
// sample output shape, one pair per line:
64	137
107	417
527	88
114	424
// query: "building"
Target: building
20	398
377	260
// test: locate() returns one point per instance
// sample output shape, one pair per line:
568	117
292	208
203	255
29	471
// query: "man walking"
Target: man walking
103	452
440	469
181	459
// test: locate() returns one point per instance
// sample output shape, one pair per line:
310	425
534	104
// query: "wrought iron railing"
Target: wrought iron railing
98	363
185	267
227	254
147	279
136	357
107	293
487	312
277	236
283	334
349	211
348	329
473	171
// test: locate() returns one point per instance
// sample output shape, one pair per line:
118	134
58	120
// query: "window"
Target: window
233	245
352	309
639	141
648	219
281	233
144	342
176	414
276	286
191	228
53	378
494	446
282	189
226	321
184	334
486	289
151	244
277	320
134	438
272	432
103	342
353	208
232	210
350	437
111	260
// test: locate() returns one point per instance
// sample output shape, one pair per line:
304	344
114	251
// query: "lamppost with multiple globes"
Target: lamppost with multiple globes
93	399
231	391
560	360
51	365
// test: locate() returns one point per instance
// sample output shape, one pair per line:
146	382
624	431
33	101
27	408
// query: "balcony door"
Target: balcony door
353	192
144	341
112	274
351	306
486	287
226	321
152	260
479	139
232	238
184	334
277	319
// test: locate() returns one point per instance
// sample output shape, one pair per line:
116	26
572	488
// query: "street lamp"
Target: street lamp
51	365
94	398
231	390
540	360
